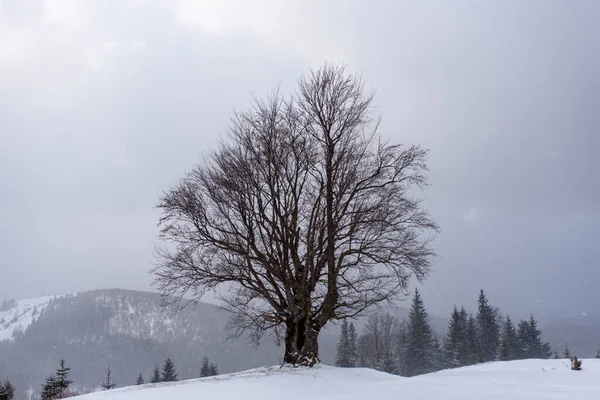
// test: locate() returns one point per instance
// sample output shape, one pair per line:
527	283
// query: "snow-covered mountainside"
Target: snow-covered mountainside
123	313
129	329
16	318
527	379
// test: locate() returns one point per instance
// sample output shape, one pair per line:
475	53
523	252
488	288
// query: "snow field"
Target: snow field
526	379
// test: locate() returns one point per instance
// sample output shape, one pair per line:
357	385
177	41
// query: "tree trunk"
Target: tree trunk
301	345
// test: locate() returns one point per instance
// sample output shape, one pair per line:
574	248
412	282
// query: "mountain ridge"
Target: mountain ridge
129	329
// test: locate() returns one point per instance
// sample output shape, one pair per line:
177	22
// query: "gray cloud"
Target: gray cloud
105	104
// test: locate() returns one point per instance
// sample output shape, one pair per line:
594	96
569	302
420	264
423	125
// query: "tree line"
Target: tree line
411	347
168	373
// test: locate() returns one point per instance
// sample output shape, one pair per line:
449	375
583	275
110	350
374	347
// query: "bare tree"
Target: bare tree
303	214
378	343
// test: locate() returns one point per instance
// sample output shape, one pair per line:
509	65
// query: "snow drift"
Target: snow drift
527	379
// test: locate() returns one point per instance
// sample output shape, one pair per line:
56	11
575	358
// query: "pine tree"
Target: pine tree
472	348
454	343
530	341
509	342
489	331
598	353
352	345
542	349
205	369
566	352
556	357
139	380
418	351
438	355
108	382
155	375
524	340
7	391
208	368
50	389
342	357
168	372
62	379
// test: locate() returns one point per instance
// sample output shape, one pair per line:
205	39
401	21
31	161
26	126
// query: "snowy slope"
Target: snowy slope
528	379
128	329
19	317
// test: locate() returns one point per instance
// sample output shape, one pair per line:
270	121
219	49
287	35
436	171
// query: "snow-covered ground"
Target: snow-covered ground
19	317
528	379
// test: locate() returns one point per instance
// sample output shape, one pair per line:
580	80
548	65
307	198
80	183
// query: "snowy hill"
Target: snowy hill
17	317
129	329
528	379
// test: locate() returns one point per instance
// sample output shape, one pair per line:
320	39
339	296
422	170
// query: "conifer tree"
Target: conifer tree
509	341
524	340
437	362
556	357
62	379
472	347
418	351
208	368
342	357
489	332
598	353
155	375
352	345
139	380
50	389
168	372
456	337
530	340
566	352
108	383
7	391
542	349
205	369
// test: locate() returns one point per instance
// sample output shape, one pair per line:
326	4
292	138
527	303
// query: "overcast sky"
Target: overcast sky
105	104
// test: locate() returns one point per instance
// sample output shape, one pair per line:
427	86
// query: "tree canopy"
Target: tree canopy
304	213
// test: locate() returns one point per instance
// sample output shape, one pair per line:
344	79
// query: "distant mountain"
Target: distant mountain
130	330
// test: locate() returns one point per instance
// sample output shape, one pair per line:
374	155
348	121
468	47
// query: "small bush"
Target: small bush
575	364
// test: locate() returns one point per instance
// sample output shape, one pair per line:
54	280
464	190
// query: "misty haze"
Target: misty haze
328	197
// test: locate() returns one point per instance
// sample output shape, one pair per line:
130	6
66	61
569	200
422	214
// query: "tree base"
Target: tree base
295	360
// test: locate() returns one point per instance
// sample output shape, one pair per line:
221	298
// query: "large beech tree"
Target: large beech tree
302	216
